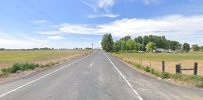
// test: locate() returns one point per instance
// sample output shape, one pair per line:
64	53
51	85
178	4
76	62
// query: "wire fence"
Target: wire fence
169	66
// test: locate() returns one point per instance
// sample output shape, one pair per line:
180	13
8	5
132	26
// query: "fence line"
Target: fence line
178	68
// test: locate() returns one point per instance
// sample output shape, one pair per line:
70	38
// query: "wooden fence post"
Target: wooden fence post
163	66
195	68
178	68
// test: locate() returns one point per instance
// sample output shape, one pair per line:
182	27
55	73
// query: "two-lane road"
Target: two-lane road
98	76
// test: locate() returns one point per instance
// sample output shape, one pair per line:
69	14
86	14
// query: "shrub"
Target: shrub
139	66
5	70
46	65
177	76
15	68
157	73
194	78
152	71
165	75
147	69
2	74
52	63
22	67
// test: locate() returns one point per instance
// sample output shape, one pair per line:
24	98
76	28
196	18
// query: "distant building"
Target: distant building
161	50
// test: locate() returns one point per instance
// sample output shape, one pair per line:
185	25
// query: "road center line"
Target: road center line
33	81
139	97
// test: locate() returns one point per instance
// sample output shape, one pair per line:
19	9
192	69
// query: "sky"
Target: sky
78	23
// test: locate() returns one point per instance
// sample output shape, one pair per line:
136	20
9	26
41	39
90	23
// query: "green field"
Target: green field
7	58
154	60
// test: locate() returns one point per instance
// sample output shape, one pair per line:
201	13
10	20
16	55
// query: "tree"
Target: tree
195	47
174	45
123	45
107	42
139	39
138	46
126	38
201	48
186	47
130	44
146	40
117	46
150	46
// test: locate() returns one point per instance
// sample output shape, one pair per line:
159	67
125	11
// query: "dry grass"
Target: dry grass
186	60
8	58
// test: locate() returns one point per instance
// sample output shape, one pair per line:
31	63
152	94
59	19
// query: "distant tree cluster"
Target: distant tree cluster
144	43
196	47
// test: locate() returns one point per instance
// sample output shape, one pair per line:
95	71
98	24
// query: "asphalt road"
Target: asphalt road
98	76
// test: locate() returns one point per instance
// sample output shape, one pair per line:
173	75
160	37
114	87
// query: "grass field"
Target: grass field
8	58
186	59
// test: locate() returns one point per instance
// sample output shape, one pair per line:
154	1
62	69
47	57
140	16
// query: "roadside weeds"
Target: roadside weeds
19	68
193	80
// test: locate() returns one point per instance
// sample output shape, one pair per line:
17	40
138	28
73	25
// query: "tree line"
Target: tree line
144	43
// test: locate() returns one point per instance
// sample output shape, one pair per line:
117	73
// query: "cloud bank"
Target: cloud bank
167	25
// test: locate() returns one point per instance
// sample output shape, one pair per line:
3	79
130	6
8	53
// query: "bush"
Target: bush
194	78
5	70
28	66
165	75
147	69
2	74
15	68
46	65
177	76
157	73
24	66
152	71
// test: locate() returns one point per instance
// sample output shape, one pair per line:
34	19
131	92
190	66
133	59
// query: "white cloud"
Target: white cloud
177	27
27	42
77	29
55	37
100	8
103	15
39	21
105	3
11	42
49	32
162	25
174	26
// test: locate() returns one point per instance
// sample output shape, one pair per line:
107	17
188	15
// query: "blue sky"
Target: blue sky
78	23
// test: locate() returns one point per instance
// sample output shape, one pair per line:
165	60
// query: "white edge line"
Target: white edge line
13	90
139	97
